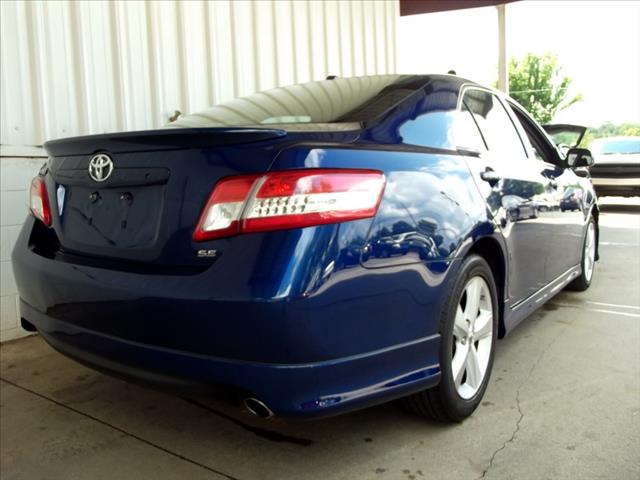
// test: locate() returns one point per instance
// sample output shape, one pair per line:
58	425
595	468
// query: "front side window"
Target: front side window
535	139
500	135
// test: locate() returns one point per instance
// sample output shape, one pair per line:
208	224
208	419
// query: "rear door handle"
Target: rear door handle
490	176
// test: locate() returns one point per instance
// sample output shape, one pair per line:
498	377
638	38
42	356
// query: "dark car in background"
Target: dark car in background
616	168
572	199
316	248
519	208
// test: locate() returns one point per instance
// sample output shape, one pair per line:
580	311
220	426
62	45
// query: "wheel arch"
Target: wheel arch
491	251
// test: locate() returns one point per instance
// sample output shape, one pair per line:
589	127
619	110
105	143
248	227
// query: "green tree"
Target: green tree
537	84
609	129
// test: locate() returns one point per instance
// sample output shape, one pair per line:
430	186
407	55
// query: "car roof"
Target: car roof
267	107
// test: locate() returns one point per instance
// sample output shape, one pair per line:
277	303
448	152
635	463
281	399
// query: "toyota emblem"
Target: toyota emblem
100	167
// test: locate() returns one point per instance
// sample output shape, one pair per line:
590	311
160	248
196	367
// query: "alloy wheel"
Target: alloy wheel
473	337
589	252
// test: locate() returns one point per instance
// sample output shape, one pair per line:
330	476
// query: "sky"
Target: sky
597	44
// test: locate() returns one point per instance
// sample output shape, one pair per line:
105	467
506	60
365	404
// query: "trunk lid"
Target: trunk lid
142	200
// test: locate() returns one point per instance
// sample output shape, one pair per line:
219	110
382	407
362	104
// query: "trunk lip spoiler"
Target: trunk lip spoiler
159	139
552	128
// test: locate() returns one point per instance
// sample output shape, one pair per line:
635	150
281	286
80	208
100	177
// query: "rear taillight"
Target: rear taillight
39	201
221	214
289	199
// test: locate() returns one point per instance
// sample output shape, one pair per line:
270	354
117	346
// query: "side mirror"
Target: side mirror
579	157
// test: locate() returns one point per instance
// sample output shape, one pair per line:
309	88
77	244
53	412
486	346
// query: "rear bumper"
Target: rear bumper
361	337
617	179
606	186
290	390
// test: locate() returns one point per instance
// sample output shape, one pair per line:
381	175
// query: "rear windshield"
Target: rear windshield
618	146
338	104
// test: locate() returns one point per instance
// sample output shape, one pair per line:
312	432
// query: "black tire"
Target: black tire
583	281
443	403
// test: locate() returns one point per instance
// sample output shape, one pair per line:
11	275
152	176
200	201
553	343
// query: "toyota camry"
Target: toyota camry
314	249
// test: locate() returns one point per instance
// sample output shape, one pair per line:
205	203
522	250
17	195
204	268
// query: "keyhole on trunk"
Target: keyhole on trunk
126	198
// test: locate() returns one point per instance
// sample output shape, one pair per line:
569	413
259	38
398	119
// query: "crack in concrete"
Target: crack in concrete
507	442
517	426
544	352
118	429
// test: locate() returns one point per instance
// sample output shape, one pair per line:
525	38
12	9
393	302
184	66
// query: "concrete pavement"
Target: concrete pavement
564	402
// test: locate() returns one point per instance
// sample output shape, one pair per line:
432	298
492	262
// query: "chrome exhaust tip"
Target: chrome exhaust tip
257	408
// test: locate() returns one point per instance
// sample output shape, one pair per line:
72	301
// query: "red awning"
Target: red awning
414	7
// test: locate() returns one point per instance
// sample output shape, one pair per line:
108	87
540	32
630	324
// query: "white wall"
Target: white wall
15	175
79	67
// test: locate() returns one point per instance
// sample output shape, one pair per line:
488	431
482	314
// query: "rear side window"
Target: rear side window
468	134
500	135
441	125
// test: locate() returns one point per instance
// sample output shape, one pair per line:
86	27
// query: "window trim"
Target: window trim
475	122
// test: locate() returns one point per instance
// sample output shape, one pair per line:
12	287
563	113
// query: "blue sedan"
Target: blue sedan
314	249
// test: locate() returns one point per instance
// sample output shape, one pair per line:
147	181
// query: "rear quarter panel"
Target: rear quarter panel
430	215
430	206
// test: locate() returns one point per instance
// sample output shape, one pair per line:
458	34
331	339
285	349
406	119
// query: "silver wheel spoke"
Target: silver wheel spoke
473	298
459	363
483	325
474	373
459	324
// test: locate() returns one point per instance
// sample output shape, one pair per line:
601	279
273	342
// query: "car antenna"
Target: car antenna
452	72
331	77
